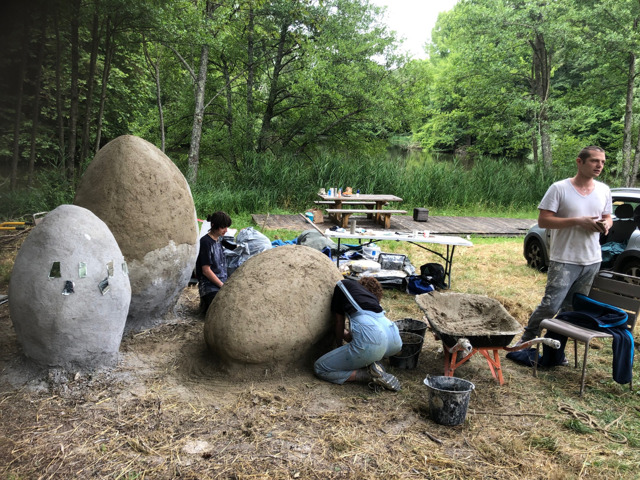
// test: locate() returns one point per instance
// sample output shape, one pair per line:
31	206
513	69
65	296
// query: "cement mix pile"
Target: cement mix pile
275	310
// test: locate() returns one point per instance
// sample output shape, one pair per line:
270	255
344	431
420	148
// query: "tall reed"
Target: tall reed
267	183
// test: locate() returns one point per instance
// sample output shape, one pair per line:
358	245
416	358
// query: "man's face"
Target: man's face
592	167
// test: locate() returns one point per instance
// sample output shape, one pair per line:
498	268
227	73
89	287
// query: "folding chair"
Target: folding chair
616	289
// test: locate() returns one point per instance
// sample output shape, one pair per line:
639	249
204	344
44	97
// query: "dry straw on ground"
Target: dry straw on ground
166	411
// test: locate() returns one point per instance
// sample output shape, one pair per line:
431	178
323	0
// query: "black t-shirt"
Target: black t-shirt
363	297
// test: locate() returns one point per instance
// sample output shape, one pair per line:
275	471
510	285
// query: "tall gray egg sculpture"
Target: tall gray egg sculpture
146	202
69	291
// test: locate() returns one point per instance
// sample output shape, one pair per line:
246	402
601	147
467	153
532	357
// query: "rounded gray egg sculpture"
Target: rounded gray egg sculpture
69	291
146	202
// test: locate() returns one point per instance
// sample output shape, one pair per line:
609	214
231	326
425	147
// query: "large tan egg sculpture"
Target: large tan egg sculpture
69	291
146	202
274	310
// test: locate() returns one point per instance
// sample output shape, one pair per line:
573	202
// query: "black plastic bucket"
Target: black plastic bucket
448	399
411	343
411	325
407	357
407	362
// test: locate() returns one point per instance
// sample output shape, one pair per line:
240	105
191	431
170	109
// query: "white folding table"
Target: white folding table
373	236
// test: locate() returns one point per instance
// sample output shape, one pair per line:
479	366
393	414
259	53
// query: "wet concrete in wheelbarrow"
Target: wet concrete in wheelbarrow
475	317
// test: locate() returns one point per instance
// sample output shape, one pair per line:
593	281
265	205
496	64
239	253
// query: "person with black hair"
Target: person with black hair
211	266
372	336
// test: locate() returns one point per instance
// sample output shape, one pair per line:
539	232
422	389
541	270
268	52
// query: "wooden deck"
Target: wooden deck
481	226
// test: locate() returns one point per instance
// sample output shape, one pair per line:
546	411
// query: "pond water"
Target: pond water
416	157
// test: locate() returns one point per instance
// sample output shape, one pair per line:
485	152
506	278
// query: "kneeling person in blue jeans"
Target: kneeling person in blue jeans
372	336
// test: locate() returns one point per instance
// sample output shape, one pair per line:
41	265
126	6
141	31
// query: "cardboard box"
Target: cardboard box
318	217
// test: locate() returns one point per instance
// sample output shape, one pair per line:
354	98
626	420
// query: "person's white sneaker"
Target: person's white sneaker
379	376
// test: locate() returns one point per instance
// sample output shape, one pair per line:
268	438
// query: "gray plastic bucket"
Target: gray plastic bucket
448	399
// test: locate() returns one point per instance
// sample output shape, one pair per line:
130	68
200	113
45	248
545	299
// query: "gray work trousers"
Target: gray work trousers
563	281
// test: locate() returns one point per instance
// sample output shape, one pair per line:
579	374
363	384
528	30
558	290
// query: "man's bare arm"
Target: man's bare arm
549	219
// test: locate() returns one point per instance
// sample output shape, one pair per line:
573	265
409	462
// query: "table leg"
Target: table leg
336	216
386	220
448	259
378	215
448	265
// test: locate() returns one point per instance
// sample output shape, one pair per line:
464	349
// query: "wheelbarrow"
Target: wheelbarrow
469	324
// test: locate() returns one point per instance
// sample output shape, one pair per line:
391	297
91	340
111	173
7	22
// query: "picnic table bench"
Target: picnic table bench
343	202
383	216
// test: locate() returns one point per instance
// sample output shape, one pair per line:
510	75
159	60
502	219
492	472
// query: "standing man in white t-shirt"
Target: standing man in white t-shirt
576	210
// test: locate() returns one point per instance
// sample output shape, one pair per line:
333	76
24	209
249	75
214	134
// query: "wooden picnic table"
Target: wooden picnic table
341	215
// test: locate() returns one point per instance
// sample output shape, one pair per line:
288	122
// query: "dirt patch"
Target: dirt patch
168	410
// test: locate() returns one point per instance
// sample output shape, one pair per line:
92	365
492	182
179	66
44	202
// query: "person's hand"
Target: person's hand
347	335
603	226
591	224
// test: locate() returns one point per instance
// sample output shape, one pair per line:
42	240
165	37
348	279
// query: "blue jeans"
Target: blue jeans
373	338
563	281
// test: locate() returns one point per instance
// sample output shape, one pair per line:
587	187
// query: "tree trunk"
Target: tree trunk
545	140
628	121
250	79
109	50
265	131
229	116
636	164
19	98
628	117
36	101
155	72
534	144
73	116
198	115
163	139
59	104
95	37
541	82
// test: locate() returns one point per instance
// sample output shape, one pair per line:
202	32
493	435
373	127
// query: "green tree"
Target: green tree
495	62
612	45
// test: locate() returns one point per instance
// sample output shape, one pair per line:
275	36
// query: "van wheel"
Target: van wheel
535	255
